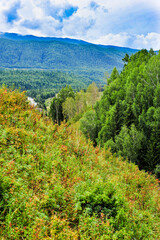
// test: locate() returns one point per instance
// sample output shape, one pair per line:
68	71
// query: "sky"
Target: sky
125	23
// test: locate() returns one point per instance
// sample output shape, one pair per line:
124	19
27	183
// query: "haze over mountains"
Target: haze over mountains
65	54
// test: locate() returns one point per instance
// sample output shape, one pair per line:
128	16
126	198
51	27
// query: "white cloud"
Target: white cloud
151	40
113	39
131	23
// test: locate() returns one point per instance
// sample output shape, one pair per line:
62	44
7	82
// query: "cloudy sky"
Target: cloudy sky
127	23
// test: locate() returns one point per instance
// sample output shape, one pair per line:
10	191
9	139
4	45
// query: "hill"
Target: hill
127	116
55	185
57	53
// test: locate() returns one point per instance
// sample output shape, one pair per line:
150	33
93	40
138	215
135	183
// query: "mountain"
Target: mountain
65	54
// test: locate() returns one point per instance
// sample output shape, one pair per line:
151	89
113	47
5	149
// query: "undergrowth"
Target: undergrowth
55	185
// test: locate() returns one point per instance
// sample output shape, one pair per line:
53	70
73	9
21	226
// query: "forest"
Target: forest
42	84
84	59
91	168
126	118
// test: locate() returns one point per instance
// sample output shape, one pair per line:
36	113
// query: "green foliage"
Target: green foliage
128	112
92	94
85	59
55	185
68	105
69	108
56	109
80	102
41	84
129	142
126	58
88	125
97	199
114	75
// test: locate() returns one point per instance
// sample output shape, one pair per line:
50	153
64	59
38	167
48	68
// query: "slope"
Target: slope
55	185
128	112
58	53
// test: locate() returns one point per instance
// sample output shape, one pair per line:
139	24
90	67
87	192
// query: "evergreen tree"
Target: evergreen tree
128	114
153	152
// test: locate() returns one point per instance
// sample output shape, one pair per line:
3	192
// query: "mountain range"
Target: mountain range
68	55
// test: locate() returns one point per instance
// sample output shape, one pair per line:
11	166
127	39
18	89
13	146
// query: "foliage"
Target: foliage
85	59
41	84
92	94
88	125
58	109
69	108
54	185
68	105
128	112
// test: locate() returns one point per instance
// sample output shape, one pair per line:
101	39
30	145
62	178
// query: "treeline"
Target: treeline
127	118
67	104
41	84
62	54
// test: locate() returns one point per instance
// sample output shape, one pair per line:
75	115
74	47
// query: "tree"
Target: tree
92	94
69	108
126	58
129	143
56	110
80	102
151	52
114	75
153	152
88	125
152	71
128	114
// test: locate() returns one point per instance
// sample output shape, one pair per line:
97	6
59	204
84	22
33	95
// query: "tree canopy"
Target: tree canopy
127	116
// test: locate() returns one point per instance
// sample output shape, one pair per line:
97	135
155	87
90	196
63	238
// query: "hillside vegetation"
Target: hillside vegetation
127	118
42	84
42	66
82	58
55	185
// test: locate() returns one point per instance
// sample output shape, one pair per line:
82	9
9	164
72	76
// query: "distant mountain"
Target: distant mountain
65	54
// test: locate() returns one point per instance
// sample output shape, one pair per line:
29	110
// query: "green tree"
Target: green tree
92	94
80	102
114	75
128	112
126	58
56	109
129	143
153	152
88	125
69	108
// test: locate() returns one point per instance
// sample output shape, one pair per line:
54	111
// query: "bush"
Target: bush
88	125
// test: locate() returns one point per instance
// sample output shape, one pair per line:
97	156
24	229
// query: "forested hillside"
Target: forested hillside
55	185
82	58
127	117
42	84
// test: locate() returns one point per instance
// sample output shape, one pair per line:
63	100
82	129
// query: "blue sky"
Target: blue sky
129	23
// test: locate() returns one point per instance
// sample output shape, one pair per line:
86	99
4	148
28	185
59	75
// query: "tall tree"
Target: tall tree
69	108
92	94
128	113
56	109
